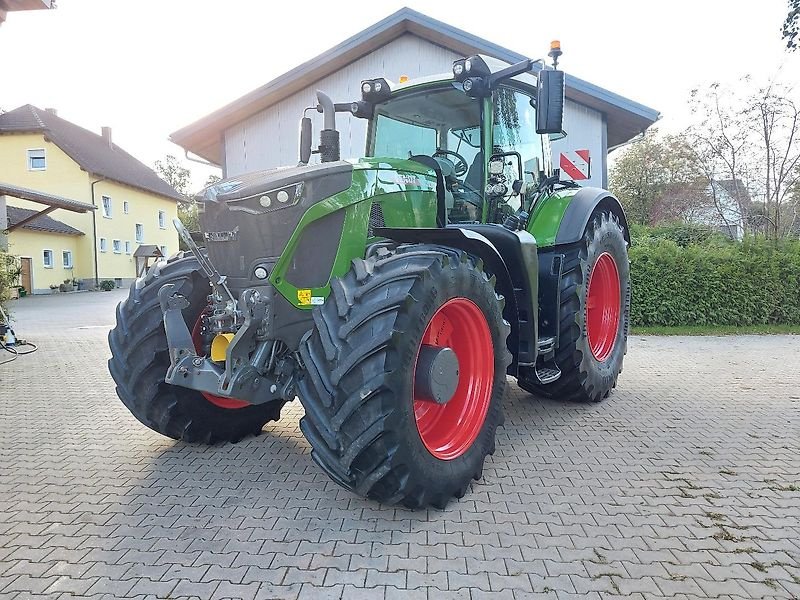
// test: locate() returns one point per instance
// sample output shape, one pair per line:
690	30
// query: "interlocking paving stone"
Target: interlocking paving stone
683	484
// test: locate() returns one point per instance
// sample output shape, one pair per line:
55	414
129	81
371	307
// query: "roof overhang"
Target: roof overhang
7	6
50	200
625	118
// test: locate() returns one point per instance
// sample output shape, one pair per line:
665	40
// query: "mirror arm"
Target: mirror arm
524	66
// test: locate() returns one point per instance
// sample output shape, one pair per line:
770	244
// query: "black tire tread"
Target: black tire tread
139	361
572	386
346	411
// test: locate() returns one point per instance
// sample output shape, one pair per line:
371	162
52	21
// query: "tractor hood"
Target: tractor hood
255	185
247	220
258	183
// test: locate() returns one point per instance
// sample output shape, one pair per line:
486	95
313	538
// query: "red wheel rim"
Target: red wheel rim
221	401
448	430
603	306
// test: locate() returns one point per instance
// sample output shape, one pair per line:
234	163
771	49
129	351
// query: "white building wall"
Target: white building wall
270	138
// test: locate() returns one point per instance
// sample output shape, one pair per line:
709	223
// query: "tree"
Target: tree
752	141
791	26
657	180
179	177
174	173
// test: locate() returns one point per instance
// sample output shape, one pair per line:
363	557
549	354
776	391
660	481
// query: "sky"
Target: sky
149	67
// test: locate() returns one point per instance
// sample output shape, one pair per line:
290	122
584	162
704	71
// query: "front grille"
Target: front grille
375	219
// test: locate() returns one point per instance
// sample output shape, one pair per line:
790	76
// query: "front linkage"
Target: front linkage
237	327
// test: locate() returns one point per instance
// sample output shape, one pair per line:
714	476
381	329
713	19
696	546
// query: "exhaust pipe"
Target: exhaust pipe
329	149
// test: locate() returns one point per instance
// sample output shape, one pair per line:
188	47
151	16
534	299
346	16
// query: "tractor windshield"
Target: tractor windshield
444	124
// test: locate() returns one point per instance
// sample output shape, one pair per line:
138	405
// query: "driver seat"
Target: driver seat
475	174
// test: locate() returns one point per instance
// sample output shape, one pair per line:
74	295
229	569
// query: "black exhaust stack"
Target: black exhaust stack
329	149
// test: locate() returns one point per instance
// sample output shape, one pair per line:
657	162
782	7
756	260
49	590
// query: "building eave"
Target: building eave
205	137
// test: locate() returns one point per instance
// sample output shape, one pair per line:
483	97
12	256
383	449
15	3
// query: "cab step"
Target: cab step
547	373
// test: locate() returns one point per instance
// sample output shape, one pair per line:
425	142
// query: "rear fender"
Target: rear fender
478	245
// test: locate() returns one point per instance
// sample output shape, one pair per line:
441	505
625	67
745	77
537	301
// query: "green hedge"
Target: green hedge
755	282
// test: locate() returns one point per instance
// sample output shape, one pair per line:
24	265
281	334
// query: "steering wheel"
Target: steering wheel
461	164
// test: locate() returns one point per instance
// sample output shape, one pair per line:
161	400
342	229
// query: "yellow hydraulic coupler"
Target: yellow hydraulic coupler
219	346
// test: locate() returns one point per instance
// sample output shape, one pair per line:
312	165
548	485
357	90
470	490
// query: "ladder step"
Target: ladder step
547	374
546	345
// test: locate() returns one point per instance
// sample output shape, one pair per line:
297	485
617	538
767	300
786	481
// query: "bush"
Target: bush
9	275
107	285
755	282
683	234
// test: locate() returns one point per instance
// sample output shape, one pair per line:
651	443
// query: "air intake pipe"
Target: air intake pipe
329	150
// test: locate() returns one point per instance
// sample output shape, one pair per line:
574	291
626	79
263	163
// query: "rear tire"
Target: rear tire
358	389
590	367
140	359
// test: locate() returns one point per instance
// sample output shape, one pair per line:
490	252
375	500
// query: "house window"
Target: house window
116	245
139	233
47	259
103	244
37	161
162	219
107	207
127	247
125	207
163	250
66	258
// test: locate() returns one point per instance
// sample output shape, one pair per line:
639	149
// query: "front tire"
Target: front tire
140	359
368	428
595	310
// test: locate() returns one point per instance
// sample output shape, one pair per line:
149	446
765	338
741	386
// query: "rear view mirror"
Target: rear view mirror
305	140
550	101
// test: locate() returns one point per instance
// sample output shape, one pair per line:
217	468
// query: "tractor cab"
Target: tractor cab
485	147
477	128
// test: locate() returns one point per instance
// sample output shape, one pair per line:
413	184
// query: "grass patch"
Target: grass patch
718	330
758	566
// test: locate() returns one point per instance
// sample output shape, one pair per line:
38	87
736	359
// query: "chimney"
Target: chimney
52	111
106	132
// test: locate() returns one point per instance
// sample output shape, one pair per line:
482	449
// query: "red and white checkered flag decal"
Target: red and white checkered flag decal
576	164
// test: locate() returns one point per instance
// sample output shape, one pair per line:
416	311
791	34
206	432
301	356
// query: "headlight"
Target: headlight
468	85
366	88
269	201
458	69
468	65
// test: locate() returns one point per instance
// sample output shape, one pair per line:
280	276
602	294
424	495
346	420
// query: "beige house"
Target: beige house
128	204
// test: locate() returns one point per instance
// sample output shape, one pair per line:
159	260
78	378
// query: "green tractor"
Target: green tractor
392	294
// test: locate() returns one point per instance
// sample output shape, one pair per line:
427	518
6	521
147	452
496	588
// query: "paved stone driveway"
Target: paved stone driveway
685	483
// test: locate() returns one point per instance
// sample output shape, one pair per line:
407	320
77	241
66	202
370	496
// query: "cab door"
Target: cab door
514	133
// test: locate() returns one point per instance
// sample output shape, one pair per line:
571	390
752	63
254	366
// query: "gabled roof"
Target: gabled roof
42	223
625	118
91	151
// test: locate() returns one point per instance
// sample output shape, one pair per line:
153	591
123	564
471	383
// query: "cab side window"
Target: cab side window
515	131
